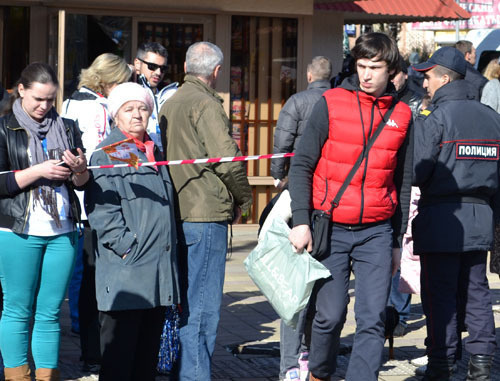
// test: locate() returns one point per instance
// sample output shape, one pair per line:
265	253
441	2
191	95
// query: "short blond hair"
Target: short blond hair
107	69
492	70
320	68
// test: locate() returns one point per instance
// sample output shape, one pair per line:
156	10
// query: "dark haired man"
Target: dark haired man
150	65
474	77
367	223
456	166
411	94
291	123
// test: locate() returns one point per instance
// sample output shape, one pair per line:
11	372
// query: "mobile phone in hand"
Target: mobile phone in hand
74	151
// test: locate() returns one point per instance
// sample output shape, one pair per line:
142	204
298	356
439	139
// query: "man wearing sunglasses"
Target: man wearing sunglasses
150	65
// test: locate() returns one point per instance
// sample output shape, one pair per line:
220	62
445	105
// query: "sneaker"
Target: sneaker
292	375
419	361
304	366
420	371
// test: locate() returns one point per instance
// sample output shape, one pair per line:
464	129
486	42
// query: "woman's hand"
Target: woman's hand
77	164
46	170
51	171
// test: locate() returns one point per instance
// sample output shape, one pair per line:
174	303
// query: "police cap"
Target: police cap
448	57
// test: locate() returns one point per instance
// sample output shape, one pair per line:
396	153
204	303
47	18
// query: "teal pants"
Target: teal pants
35	272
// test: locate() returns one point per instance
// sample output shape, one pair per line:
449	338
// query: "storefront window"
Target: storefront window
176	38
15	43
263	76
89	36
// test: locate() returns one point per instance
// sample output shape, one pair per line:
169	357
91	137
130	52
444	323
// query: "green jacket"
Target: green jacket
197	127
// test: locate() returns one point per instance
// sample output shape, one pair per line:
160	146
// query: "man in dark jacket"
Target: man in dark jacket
412	95
472	76
456	166
366	222
295	113
408	91
291	123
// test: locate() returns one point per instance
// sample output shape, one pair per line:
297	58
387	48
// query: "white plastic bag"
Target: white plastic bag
285	277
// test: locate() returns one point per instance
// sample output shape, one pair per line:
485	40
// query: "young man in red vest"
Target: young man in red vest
369	221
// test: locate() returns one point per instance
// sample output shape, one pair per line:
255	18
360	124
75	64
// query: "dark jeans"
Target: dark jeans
74	288
401	302
454	291
368	252
130	342
87	303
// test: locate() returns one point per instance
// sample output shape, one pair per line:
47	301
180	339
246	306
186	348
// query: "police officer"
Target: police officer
456	167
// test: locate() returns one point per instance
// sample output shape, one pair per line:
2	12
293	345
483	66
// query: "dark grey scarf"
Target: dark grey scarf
52	129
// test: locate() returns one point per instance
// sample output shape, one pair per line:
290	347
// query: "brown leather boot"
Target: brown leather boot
46	374
313	378
19	373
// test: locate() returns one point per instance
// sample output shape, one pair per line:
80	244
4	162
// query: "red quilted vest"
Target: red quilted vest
371	195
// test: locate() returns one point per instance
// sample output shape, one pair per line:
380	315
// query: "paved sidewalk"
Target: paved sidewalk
248	339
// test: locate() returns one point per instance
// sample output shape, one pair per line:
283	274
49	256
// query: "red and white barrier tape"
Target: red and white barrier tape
192	161
198	161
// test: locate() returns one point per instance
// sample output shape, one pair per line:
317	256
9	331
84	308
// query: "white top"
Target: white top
40	223
94	121
91	117
159	99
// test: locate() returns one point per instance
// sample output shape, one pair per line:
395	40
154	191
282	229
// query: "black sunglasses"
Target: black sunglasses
153	66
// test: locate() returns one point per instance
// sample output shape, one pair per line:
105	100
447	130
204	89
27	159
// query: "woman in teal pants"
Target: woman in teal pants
38	212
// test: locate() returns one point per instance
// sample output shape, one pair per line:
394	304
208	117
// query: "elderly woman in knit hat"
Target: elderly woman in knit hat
131	212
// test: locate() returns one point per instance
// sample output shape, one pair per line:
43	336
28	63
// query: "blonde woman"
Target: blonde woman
88	107
491	91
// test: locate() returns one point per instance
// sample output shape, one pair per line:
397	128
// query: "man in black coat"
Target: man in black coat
474	77
411	94
456	166
408	91
295	114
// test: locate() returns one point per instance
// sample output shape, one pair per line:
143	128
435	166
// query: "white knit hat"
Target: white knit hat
125	92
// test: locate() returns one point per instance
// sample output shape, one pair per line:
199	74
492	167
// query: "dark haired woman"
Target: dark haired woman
38	211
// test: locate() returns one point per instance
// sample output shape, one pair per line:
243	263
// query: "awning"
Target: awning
375	11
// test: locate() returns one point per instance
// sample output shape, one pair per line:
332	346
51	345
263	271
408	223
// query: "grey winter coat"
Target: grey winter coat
291	123
491	94
131	212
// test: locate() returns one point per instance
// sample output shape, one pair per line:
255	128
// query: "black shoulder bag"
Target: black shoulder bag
321	221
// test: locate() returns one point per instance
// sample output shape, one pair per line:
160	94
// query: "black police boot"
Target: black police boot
479	368
439	369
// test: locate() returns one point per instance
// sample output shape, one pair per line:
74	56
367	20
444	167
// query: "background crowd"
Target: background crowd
135	246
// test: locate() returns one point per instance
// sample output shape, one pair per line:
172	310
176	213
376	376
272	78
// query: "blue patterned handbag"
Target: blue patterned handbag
169	344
